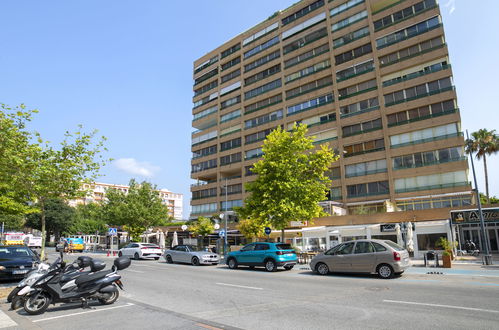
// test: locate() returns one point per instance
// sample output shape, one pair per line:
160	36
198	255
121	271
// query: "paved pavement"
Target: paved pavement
163	296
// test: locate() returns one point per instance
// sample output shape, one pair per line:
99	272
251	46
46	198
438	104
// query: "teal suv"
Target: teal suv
268	255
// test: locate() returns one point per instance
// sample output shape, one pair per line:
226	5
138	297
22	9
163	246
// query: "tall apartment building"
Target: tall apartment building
97	193
371	78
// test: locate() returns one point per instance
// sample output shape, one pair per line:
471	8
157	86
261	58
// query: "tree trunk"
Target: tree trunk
44	239
486	178
282	236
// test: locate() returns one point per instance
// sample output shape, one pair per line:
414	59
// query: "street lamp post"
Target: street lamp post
225	219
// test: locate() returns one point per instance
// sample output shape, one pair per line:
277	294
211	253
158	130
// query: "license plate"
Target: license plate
23	271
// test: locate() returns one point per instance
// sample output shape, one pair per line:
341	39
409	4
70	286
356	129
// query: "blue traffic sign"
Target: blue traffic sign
221	233
268	230
112	231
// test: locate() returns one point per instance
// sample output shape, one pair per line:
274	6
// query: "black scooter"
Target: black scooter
71	272
97	284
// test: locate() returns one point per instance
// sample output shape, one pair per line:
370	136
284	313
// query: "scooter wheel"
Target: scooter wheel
13	293
113	296
37	304
16	303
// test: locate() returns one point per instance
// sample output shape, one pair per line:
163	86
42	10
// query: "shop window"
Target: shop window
428	241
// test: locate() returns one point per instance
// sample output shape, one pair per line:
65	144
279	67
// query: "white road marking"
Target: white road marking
240	286
80	313
134	271
443	306
6	321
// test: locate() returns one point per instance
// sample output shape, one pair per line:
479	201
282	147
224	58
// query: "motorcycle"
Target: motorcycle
76	269
98	284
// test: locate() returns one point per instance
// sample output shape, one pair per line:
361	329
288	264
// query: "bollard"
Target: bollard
108	253
114	253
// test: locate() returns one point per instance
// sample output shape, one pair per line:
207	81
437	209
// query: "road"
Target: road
164	296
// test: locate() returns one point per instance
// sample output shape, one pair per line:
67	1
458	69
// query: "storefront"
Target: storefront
466	224
417	236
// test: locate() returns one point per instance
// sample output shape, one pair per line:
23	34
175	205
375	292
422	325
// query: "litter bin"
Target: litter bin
430	255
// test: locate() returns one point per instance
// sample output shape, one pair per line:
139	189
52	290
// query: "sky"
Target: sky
125	68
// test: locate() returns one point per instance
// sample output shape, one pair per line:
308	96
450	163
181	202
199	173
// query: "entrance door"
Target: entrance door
493	239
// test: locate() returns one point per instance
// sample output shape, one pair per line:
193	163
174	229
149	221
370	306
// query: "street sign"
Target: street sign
184	227
216	226
268	230
221	233
112	231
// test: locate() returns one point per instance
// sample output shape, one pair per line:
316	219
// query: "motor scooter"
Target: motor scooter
98	284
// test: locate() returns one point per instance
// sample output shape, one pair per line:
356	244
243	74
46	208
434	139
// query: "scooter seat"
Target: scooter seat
92	277
72	276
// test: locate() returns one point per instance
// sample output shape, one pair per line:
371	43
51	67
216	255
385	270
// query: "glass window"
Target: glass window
346	248
364	247
249	247
378	247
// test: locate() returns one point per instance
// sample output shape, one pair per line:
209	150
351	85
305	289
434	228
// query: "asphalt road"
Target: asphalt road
163	296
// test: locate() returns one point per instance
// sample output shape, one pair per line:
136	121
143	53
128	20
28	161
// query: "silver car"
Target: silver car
192	255
381	257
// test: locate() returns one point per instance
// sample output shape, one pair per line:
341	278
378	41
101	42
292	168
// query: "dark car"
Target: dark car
16	261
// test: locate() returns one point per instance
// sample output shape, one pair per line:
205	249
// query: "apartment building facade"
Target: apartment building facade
97	193
372	78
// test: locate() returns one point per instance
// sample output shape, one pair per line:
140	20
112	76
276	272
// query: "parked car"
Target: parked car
268	255
16	261
191	254
141	251
384	258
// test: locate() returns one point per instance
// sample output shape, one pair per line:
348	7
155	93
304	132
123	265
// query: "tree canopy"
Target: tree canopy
291	180
137	210
59	217
202	227
88	220
34	171
483	143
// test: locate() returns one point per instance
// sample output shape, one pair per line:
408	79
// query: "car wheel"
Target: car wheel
385	271
195	261
232	263
288	267
322	268
270	265
120	254
169	259
136	256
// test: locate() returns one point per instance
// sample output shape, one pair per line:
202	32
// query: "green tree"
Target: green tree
492	199
291	180
483	143
251	229
35	171
59	217
12	221
138	209
202	227
14	146
88	219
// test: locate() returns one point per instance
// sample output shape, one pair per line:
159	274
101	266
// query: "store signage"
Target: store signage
473	216
388	228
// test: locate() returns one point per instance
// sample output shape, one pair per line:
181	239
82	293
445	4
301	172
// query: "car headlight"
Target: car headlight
2	267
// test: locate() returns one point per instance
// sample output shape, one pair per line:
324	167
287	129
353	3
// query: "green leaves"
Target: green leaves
138	209
291	181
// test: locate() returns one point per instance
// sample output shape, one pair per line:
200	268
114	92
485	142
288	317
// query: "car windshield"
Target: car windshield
394	246
15	252
284	247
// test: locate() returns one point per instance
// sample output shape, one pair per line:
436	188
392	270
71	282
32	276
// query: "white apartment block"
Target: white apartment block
97	192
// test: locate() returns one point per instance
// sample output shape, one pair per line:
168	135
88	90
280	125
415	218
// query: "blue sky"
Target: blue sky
125	68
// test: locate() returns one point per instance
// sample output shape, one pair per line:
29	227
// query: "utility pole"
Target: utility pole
487	258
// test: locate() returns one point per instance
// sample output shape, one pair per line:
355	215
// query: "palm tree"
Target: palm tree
483	143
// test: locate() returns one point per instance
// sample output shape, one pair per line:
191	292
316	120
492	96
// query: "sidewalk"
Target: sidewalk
471	266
